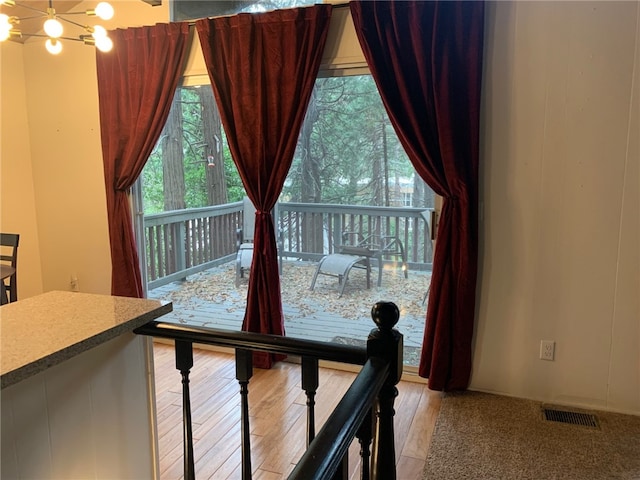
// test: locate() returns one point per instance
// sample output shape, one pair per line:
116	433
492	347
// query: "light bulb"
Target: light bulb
54	46
7	29
53	28
98	31
104	11
104	44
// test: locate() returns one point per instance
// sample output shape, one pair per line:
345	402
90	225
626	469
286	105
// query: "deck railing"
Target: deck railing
183	242
311	230
366	411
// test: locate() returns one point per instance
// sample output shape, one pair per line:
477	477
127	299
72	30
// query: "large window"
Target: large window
349	175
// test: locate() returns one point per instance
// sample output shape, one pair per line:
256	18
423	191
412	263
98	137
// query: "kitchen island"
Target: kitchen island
77	387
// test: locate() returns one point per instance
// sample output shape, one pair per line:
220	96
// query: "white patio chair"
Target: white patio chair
245	238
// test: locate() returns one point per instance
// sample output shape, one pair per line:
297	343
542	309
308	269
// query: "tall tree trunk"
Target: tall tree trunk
212	135
173	177
423	196
311	191
385	161
377	175
173	159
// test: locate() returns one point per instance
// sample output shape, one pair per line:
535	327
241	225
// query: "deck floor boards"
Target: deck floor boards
311	317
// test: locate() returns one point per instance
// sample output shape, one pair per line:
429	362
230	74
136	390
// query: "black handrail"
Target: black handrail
256	341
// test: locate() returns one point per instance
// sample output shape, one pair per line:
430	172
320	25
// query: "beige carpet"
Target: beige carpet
481	436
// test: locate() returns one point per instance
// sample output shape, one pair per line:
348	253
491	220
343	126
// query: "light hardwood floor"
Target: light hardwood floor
277	410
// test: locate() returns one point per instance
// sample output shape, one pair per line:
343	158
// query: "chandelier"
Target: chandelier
54	25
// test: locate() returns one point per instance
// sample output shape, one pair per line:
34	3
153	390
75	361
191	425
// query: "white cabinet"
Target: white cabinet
89	416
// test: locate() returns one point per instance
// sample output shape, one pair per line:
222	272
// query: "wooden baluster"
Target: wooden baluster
184	362
364	437
244	372
385	342
310	386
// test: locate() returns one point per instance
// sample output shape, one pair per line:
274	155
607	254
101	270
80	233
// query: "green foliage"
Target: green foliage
195	162
194	157
153	196
347	126
235	189
346	142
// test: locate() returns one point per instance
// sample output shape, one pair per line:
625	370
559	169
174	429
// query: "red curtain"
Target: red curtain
262	69
136	83
426	59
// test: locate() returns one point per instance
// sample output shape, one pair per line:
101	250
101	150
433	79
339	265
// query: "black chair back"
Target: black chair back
9	260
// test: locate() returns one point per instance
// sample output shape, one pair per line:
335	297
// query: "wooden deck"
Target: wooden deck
210	298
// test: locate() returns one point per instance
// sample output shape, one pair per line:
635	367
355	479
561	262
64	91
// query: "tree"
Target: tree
311	182
173	159
347	154
345	151
212	135
178	174
423	196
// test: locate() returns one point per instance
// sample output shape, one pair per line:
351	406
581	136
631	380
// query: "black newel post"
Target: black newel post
386	343
184	362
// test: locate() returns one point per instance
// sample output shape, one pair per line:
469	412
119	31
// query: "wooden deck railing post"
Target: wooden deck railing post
337	233
386	343
244	372
181	247
184	362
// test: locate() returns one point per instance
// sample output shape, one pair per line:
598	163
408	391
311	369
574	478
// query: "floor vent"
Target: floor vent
573	418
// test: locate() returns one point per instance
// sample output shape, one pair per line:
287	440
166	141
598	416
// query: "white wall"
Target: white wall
559	253
17	198
560	244
67	167
60	205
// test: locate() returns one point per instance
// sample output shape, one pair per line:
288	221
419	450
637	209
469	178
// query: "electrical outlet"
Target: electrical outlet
547	349
74	283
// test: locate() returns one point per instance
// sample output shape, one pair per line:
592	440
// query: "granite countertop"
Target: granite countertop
42	331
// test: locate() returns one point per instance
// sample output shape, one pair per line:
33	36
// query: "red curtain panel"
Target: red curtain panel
136	83
426	59
262	69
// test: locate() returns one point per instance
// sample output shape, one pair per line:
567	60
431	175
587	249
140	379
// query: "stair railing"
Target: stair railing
365	411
